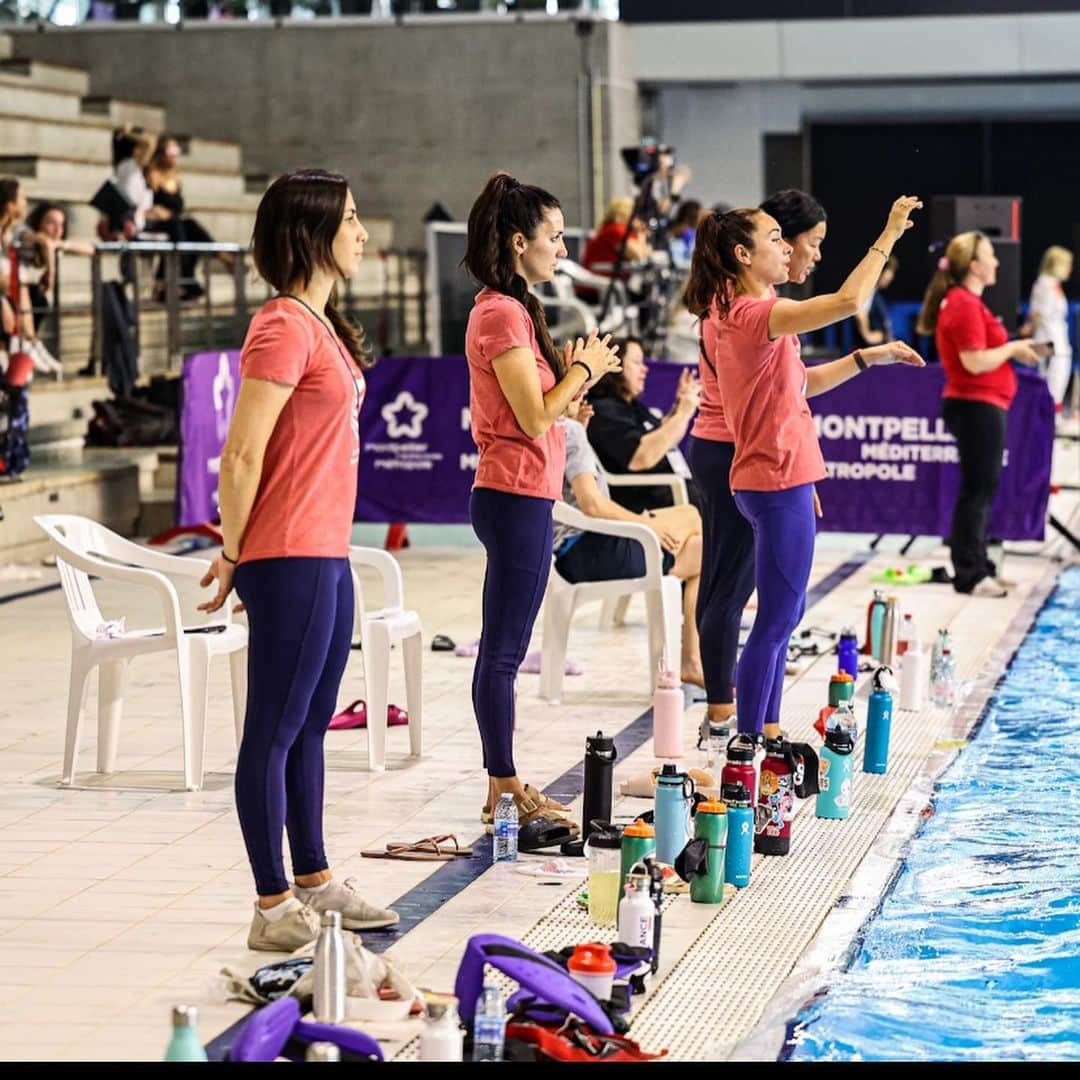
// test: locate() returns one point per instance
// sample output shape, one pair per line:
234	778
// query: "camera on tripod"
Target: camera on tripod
645	161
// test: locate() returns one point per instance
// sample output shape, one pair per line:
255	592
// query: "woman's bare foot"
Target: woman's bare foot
718	713
691	673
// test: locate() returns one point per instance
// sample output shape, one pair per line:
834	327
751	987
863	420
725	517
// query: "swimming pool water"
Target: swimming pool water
975	952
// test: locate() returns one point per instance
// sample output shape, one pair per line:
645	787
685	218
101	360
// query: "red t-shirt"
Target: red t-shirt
509	460
966	323
603	247
762	385
307	491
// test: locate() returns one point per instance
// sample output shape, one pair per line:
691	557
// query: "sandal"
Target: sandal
529	810
355	716
430	849
540	801
543	832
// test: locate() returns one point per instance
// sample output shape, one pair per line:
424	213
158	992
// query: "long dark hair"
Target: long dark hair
714	270
37	216
614	384
795	211
954	267
503	208
298	217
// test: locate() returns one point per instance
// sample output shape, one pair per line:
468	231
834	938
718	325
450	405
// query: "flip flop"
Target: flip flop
541	833
355	716
442	643
430	849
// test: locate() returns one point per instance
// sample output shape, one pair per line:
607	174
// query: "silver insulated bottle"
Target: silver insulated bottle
329	971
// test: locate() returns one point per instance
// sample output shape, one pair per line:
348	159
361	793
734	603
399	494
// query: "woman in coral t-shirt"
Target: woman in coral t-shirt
287	492
762	384
520	387
979	387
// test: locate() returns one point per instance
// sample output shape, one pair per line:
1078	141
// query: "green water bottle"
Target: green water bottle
185	1044
638	844
710	825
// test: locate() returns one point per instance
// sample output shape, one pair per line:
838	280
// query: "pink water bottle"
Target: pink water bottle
667	714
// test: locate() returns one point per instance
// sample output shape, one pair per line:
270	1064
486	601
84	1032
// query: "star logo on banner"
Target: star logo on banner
404	405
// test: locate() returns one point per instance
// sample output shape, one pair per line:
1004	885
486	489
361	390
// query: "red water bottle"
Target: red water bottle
776	801
739	767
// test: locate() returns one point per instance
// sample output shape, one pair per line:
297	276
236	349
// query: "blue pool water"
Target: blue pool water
975	952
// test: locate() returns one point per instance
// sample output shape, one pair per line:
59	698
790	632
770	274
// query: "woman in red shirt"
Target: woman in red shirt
288	488
756	375
602	248
979	387
519	390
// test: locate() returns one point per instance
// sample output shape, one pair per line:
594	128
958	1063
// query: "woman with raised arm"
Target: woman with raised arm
520	387
980	385
727	564
288	488
756	375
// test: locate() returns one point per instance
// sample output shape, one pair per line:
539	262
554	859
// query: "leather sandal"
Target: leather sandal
530	810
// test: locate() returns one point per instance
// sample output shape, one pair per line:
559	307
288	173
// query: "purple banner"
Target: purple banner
892	465
208	388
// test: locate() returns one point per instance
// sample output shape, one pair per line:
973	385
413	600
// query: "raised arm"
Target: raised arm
802	316
824	377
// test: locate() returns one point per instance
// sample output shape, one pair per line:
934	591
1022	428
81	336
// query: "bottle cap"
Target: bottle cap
604	835
332	919
436	1006
842	676
669	771
639	829
775	745
735	794
600	743
741	748
592	959
185	1016
838	739
711	806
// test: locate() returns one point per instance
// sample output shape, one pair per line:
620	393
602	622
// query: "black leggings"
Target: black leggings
181	231
979	430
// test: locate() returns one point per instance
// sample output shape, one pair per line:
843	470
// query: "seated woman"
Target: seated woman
628	437
589	556
46	230
167	215
602	248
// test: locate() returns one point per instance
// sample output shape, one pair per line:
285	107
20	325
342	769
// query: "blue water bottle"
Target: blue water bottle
835	772
879	722
847	652
674	794
740	835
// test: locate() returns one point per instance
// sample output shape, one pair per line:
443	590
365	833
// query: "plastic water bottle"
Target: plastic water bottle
505	827
944	688
489	1024
185	1044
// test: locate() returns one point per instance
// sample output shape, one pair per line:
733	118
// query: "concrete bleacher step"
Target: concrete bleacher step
65	402
22	98
116	111
210	155
5	46
70	80
24	136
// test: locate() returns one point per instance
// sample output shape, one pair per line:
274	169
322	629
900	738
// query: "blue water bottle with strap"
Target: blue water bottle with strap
740	835
879	721
674	796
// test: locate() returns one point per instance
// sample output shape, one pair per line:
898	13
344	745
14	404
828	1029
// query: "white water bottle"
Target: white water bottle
505	829
912	676
637	913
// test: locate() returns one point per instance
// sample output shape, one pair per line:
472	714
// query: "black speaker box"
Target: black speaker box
995	215
1003	298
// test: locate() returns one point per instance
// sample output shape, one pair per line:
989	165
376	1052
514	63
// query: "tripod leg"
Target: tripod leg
1071	537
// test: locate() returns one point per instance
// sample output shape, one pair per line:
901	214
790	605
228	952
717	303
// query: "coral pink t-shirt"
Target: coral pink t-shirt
307	492
710	422
762	385
509	460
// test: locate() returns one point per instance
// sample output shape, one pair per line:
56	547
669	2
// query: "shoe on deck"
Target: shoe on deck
297	927
356	912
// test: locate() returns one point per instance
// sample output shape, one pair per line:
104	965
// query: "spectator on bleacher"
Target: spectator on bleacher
46	231
629	438
873	322
680	233
167	213
1049	316
132	148
602	248
596	556
17	316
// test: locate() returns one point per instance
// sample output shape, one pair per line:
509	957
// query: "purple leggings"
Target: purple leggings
300	621
784	528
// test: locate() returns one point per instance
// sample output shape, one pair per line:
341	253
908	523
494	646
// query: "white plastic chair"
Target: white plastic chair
574	315
378	631
663	601
83	547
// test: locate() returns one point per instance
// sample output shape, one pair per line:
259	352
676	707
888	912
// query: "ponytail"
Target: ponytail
503	208
352	337
714	270
953	267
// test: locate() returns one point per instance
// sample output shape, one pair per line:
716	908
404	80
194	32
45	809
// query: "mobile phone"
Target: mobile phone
1043	348
213	628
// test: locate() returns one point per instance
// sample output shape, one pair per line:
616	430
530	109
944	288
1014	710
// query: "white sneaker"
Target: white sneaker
990	588
298	926
356	912
44	361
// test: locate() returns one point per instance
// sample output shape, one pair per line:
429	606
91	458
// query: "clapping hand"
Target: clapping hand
892	352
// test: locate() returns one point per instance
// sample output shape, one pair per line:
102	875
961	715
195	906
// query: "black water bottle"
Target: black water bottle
600	754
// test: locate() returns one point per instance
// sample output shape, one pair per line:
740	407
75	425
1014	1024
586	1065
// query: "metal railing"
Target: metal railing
198	313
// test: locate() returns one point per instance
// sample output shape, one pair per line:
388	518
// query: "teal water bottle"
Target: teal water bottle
711	826
638	844
835	772
185	1044
740	835
674	791
879	722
